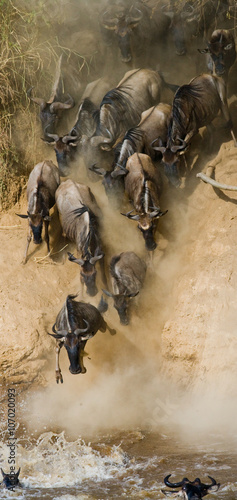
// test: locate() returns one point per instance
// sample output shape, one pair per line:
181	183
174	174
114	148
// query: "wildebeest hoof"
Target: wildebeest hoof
59	377
112	331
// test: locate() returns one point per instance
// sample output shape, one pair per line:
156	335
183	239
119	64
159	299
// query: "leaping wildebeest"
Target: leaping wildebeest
79	215
190	490
121	109
51	110
127	272
143	185
41	187
76	323
195	105
221	52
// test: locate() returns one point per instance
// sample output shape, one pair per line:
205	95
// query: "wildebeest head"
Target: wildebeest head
171	159
190	490
122	22
74	341
114	186
10	480
50	111
36	224
221	48
65	149
121	304
96	150
147	225
88	271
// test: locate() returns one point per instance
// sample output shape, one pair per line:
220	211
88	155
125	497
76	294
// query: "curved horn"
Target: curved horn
98	170
117	172
3	473
174	149
159	148
109	24
214	183
107	292
37	100
68	138
55	106
213	483
71	257
78	331
18	472
174	485
131	20
99	140
133	217
94	259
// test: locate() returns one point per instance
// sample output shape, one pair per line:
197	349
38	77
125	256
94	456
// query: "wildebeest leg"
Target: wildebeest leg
58	372
46	231
29	236
112	331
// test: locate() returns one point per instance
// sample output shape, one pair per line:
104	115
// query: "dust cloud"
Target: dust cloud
159	372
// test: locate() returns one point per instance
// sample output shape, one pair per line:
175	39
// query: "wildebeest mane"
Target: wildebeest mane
70	312
113	262
121	99
189	99
90	240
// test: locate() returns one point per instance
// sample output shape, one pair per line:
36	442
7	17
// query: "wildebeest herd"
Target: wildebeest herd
134	140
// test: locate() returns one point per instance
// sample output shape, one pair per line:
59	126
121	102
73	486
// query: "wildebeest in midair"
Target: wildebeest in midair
50	111
121	109
41	187
66	146
127	271
143	185
195	105
76	323
79	215
221	52
190	490
10	481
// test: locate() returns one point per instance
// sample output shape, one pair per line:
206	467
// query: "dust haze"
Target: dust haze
173	369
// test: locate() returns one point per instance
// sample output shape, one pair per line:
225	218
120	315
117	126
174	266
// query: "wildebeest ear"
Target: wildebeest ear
129	216
229	46
203	51
22	216
47	218
105	147
119	172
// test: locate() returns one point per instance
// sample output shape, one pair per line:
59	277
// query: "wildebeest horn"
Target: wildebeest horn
22	216
185	14
131	20
78	331
71	257
41	102
119	171
216	184
94	259
159	148
99	140
55	106
55	137
174	149
157	213
109	24
69	138
175	485
133	217
57	334
213	483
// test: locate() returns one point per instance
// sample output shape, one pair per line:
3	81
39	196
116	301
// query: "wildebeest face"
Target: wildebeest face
147	227
121	306
88	277
190	490
75	348
171	162
124	42
10	480
36	225
65	154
